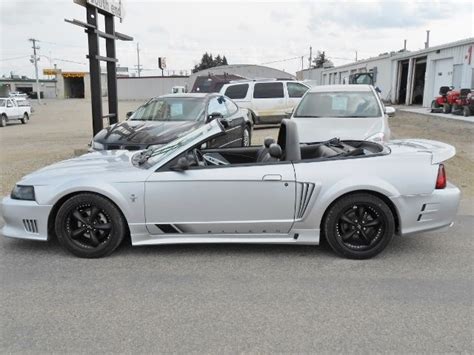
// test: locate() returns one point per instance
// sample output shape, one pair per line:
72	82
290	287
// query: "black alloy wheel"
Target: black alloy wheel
89	226
359	226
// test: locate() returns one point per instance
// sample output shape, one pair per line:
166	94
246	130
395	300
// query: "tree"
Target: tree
321	61
208	61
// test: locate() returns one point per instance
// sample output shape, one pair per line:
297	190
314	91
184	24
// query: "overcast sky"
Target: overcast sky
243	31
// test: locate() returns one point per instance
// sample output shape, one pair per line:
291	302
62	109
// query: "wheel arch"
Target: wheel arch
57	205
383	197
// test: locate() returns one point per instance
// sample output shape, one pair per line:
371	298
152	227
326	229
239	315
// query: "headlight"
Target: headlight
377	137
97	146
21	192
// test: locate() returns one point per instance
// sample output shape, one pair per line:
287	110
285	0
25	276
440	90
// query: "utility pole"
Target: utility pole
310	57
356	56
139	68
34	59
302	62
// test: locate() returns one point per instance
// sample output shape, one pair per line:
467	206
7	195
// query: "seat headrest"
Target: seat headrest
268	141
275	151
288	140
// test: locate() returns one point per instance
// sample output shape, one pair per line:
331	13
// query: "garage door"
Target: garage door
443	74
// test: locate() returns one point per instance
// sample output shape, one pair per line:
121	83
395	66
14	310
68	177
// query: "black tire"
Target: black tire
466	111
3	121
446	108
24	119
77	226
246	137
359	226
434	106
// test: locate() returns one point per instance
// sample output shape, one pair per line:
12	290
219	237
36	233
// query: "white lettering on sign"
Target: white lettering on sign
113	7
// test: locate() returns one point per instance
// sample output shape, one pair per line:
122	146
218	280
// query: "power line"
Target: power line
13	58
282	60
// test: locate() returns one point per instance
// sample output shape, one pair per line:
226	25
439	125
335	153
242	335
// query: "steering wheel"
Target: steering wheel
198	157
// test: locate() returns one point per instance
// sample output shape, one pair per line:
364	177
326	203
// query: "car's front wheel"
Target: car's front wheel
446	108
359	226
89	226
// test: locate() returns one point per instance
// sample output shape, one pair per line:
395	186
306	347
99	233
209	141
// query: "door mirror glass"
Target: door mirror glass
181	165
390	111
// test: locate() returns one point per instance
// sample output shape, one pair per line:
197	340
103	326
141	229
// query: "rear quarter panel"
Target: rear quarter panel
391	176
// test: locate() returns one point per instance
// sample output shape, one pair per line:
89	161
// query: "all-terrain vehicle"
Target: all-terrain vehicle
444	102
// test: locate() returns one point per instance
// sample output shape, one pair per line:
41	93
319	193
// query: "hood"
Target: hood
144	133
318	129
114	164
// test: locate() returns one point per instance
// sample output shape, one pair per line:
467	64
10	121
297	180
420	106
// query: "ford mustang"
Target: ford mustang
356	194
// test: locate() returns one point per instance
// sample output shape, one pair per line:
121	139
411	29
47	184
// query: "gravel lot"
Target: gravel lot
415	297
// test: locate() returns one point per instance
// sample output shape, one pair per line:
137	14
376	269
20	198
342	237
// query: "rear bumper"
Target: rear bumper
420	213
25	219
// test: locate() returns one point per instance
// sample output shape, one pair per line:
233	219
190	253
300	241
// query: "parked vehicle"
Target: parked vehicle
444	102
10	111
17	94
468	105
269	101
460	102
283	193
167	117
344	111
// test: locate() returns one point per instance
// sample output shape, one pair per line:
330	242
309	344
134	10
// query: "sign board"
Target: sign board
50	71
113	7
162	63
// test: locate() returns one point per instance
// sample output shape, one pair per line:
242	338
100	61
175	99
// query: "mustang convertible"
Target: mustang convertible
356	194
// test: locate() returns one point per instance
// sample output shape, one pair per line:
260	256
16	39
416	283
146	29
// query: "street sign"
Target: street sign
162	63
113	7
50	71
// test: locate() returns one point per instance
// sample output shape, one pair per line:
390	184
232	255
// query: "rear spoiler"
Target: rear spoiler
439	151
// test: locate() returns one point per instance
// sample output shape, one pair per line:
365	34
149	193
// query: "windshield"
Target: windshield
339	104
153	155
171	109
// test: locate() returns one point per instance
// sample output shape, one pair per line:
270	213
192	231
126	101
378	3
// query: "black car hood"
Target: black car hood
144	133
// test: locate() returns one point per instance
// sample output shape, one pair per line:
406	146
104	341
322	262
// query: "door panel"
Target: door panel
227	200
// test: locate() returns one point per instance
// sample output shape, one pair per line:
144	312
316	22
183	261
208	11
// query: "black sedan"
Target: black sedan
165	118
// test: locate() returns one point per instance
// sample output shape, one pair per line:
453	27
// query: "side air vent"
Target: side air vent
31	226
167	228
305	191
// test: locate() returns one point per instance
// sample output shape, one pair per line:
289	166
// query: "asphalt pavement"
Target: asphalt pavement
415	297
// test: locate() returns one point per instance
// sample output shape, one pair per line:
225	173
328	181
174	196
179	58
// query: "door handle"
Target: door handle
272	177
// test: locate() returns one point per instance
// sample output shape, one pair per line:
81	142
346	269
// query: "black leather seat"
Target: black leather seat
263	152
274	153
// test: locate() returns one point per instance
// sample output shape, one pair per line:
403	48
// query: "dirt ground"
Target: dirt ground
59	127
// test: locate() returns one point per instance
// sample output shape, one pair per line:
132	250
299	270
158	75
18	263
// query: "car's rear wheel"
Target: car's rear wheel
3	121
359	226
89	226
24	119
246	137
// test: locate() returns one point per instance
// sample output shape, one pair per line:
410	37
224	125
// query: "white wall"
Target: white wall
143	88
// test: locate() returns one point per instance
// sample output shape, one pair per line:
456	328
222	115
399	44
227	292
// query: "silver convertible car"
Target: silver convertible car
356	194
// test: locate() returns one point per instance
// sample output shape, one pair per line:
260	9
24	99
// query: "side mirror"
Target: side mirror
129	114
181	165
213	116
225	122
390	111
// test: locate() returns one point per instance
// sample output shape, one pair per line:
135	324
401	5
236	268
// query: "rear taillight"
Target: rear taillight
441	179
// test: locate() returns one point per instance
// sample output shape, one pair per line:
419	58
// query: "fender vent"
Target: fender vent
31	226
305	191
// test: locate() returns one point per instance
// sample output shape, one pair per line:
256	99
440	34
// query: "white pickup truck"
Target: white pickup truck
11	111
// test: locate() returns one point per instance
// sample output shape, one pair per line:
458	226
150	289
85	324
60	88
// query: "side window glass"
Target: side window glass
231	107
217	104
296	89
9	103
237	91
268	91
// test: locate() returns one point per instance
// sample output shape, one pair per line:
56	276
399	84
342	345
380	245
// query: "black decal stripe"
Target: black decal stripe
167	228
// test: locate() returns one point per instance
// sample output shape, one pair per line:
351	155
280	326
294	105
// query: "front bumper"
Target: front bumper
25	219
420	213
